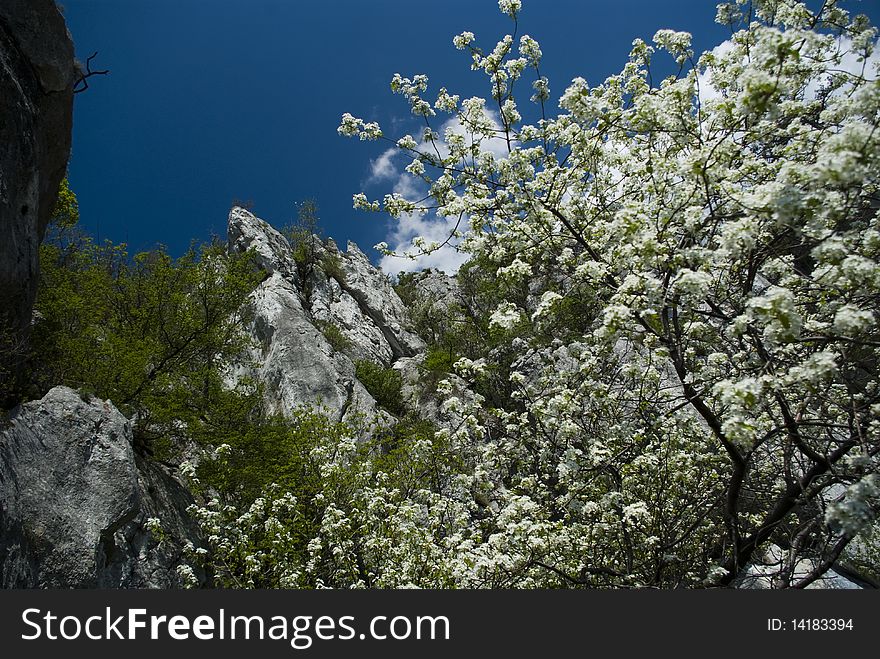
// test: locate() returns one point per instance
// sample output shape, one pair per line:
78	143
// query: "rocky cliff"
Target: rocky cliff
312	321
37	75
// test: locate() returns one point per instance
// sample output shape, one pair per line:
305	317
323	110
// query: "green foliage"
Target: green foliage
331	264
65	214
439	359
384	384
304	236
148	332
335	337
406	287
270	450
410	469
302	247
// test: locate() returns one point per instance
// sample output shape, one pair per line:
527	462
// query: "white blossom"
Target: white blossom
850	320
510	7
505	316
463	40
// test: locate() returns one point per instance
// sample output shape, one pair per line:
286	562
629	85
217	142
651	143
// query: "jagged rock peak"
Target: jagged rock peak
340	290
379	302
272	251
314	318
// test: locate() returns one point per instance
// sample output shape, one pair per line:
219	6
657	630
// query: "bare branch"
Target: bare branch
82	82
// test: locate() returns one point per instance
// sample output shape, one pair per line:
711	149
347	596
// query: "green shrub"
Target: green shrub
408	469
335	337
439	359
331	264
271	450
384	384
301	246
406	287
65	214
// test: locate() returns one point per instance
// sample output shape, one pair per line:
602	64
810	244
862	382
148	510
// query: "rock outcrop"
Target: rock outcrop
360	302
74	500
313	321
438	290
295	362
136	558
380	306
37	75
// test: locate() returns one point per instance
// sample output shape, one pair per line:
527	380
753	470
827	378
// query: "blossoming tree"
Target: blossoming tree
721	232
680	381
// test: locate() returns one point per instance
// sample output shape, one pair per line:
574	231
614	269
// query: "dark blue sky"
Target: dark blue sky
214	100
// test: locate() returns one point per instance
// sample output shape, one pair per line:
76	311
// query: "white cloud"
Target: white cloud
708	92
447	258
382	168
428	226
497	146
849	63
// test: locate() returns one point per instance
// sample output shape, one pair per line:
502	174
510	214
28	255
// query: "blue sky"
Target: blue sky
214	100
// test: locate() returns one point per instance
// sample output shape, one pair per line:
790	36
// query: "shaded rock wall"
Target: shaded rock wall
37	74
74	500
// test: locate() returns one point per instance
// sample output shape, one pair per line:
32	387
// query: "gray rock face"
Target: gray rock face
295	361
37	74
271	250
359	301
73	500
136	558
438	289
297	322
69	482
378	302
331	305
437	302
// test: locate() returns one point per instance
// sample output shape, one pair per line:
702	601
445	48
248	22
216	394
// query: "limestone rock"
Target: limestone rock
136	558
438	289
294	360
374	294
311	324
73	499
357	299
332	306
272	251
